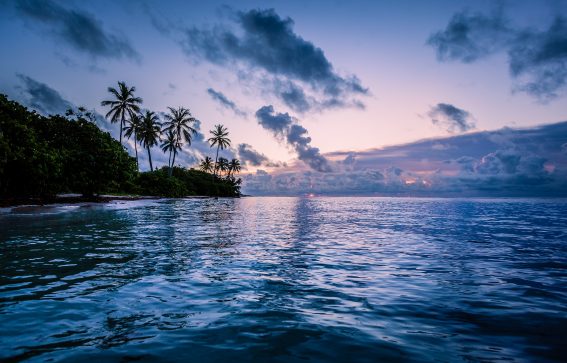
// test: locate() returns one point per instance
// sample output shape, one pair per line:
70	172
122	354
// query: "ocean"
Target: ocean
286	280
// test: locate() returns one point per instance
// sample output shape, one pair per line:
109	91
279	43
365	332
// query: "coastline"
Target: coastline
71	199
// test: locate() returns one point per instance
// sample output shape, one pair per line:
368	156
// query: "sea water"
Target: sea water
286	280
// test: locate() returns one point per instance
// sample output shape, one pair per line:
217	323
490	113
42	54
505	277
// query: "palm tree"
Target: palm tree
172	145
124	104
222	165
132	128
150	132
234	166
219	139
206	164
179	121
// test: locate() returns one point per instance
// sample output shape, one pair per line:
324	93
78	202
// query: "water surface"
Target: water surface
286	279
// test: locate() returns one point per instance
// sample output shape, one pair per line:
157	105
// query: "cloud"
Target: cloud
267	42
294	97
298	139
450	117
249	156
511	162
77	29
48	101
278	123
469	37
285	128
537	58
157	19
508	162
42	98
225	102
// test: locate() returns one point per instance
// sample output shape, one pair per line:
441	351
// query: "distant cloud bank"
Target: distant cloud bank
507	162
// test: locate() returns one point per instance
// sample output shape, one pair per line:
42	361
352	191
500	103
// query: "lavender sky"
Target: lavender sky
327	97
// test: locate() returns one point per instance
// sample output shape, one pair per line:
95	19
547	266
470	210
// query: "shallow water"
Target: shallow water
286	279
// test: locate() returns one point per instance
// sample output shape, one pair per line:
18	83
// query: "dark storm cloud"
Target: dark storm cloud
278	123
450	117
78	29
294	97
268	42
225	102
507	162
42	98
541	58
283	126
537	58
469	37
298	139
250	156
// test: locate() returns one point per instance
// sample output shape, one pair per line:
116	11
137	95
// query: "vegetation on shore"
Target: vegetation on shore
42	156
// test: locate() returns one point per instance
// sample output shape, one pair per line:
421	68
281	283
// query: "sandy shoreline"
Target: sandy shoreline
74	199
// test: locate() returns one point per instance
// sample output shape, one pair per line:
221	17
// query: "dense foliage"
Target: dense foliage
42	156
185	182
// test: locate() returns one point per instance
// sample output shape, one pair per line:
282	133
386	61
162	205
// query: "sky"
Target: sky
440	98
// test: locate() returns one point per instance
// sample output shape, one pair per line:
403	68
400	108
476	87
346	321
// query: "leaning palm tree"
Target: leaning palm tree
178	121
206	165
150	133
220	139
125	103
233	167
222	165
132	128
171	145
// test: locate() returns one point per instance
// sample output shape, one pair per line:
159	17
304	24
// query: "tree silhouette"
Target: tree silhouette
222	165
178	122
150	133
171	145
132	128
234	167
206	165
220	139
125	103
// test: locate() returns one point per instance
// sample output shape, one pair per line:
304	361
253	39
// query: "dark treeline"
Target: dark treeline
42	156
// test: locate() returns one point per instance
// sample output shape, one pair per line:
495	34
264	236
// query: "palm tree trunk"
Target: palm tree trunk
121	127
136	149
150	158
169	164
172	162
216	160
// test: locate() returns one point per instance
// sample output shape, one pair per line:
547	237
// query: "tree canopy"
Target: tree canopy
42	156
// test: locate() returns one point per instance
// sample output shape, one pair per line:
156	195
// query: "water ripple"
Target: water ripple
286	279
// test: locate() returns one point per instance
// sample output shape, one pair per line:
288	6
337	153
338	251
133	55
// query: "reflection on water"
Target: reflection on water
286	279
